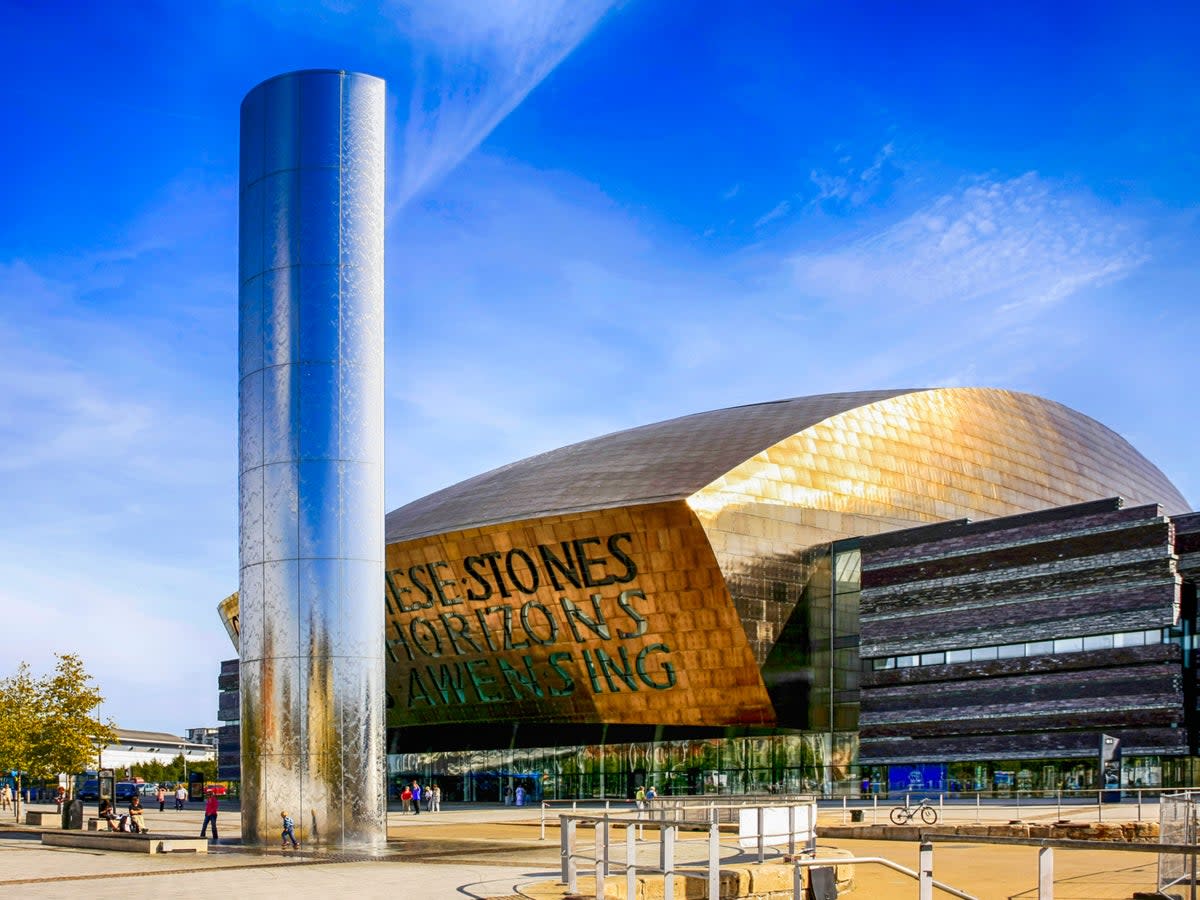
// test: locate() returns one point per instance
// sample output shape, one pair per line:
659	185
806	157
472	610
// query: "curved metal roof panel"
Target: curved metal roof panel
675	459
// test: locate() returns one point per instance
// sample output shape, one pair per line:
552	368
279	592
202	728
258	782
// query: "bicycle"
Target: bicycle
902	815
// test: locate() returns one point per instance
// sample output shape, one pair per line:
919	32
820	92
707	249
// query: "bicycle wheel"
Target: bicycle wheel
899	815
928	815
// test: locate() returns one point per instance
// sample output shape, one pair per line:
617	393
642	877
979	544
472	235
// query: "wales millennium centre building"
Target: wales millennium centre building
951	589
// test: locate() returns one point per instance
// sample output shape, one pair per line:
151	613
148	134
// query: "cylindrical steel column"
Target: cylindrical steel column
311	458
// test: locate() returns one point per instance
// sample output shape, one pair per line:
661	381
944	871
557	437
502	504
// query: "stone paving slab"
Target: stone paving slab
494	853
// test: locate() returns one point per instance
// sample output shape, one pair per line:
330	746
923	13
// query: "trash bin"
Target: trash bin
72	814
856	815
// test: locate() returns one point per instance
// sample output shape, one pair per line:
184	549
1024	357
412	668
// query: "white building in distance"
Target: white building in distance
133	748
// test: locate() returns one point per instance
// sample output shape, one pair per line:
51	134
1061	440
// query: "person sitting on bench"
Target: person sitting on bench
137	814
107	813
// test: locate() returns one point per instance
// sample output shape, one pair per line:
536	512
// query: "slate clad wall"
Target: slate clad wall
1092	568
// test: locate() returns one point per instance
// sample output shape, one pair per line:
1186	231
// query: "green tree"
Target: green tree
18	726
48	725
71	734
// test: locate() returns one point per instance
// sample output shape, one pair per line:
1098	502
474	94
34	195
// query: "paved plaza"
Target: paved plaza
498	852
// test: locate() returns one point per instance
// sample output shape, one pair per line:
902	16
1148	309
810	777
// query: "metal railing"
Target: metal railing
703	818
695	809
603	861
1076	802
1049	845
923	877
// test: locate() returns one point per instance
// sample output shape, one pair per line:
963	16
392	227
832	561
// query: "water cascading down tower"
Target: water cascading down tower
311	458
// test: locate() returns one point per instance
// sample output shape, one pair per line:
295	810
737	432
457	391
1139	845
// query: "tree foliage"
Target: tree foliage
49	725
176	770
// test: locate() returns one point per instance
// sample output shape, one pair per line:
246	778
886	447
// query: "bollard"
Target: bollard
874	809
843	813
1046	873
543	834
978	794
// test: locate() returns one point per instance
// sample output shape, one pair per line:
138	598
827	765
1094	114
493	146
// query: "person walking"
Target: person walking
289	831
180	797
161	796
210	815
416	798
405	799
435	798
6	797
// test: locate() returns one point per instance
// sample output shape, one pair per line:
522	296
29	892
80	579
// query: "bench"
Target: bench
130	843
43	819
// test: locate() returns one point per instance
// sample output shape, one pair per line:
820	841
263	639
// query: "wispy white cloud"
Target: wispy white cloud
473	64
778	211
118	462
1011	245
849	185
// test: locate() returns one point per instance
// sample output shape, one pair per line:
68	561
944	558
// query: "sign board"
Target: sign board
775	825
1110	768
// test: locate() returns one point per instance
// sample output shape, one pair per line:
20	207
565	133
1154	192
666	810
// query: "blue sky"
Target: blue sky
600	215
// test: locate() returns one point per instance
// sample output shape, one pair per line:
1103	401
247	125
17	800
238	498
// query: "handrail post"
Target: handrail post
567	850
543	823
1099	806
797	882
606	847
1060	804
874	809
1046	873
978	800
601	862
761	837
843	812
714	863
791	829
925	873
631	861
667	851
